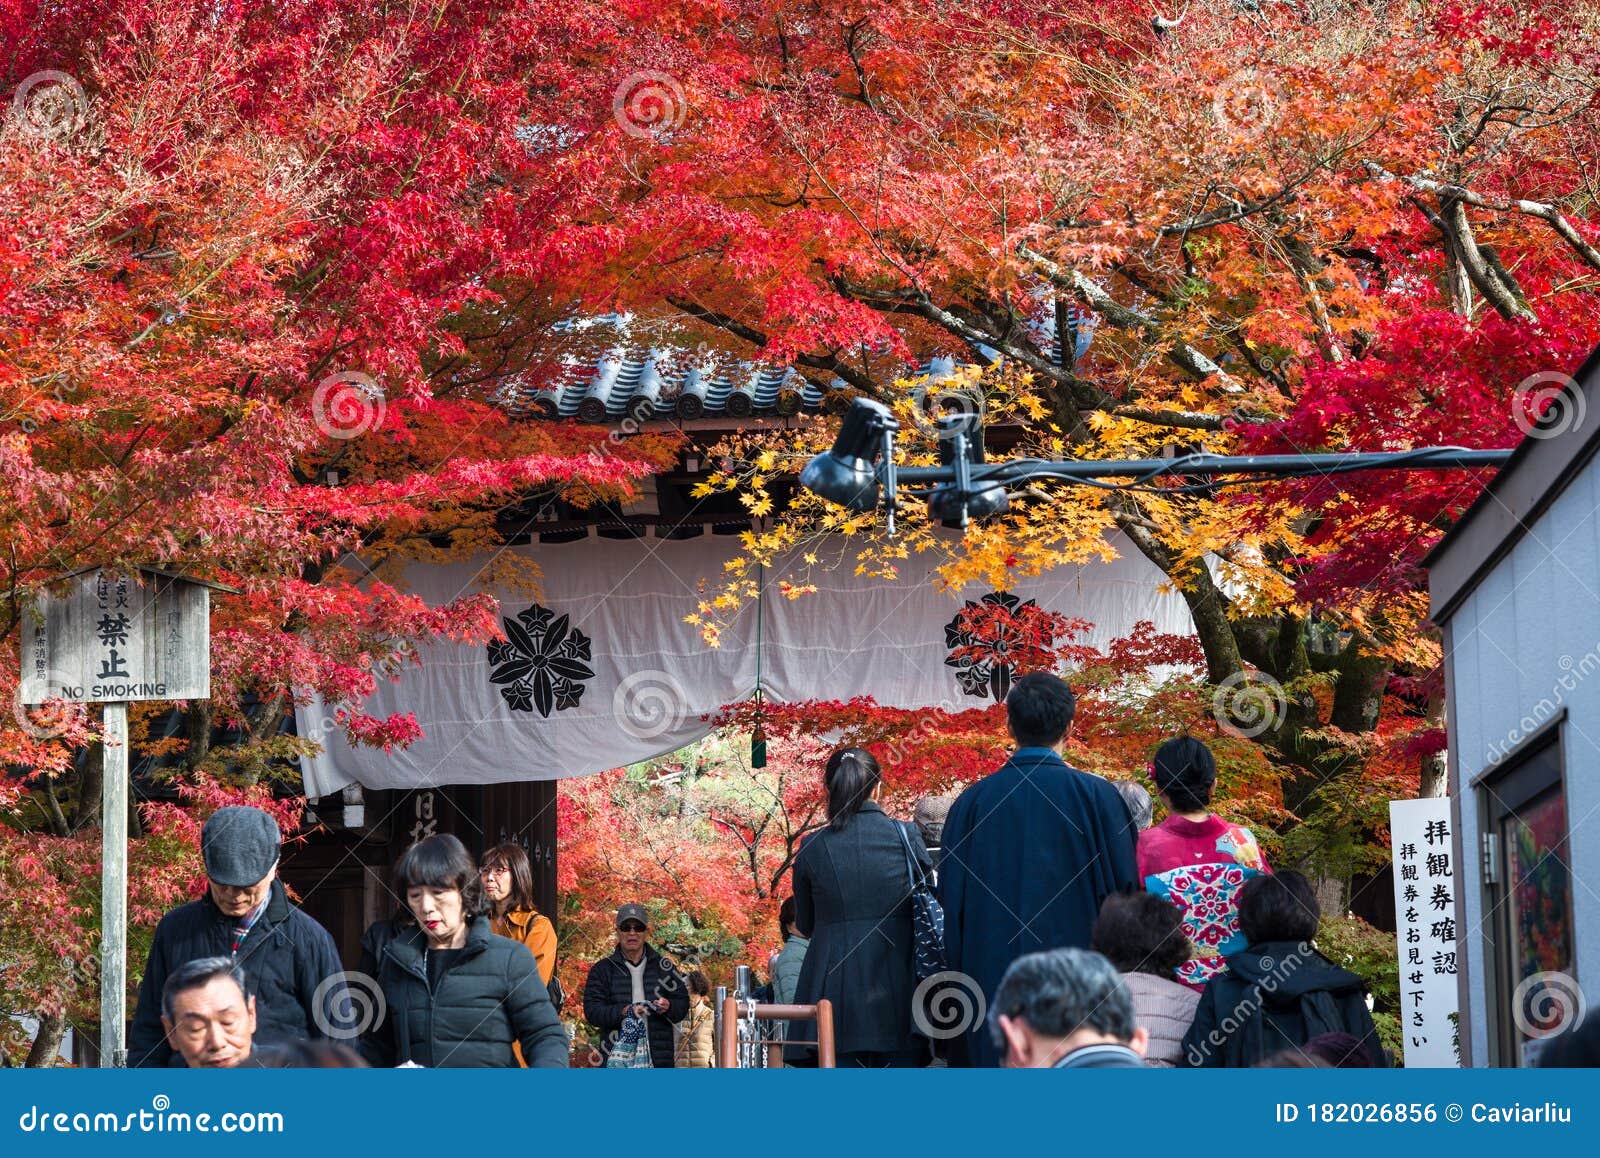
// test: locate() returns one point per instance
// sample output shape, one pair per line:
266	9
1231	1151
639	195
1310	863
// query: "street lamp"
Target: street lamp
965	486
956	502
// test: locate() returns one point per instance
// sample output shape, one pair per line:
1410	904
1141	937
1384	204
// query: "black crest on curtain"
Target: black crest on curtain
985	669
543	664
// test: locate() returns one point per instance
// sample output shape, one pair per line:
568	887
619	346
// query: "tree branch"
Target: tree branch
829	362
1546	213
1188	359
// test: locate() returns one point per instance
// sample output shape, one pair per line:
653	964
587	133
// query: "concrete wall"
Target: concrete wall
1521	648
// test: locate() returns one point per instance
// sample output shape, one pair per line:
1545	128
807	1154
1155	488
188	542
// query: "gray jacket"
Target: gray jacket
1166	1010
786	965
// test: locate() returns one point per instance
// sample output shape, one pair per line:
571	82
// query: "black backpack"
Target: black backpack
1262	1035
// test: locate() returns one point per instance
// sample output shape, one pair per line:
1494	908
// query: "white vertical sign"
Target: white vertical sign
1425	885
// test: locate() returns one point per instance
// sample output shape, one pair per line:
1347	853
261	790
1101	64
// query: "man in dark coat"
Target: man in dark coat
1030	852
636	977
290	965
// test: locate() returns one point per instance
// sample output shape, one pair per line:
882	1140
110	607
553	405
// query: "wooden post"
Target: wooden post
97	636
114	890
825	1055
730	1032
733	1008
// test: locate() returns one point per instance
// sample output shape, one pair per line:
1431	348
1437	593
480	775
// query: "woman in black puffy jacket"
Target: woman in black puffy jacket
453	993
1278	995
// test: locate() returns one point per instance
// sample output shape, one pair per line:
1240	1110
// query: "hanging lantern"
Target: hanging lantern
758	747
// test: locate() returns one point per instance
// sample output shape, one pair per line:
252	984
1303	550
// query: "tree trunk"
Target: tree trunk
1333	896
198	724
1497	293
265	720
1208	606
1436	767
135	825
87	812
52	1028
1358	694
1459	284
58	821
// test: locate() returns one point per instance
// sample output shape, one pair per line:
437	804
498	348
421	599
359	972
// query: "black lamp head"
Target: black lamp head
953	504
845	474
955	509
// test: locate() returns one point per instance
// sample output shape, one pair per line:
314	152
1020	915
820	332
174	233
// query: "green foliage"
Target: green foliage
1369	953
1340	834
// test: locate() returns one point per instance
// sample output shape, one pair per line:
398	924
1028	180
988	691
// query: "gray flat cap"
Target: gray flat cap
240	845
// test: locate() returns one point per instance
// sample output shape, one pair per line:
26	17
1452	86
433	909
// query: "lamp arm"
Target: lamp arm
1142	469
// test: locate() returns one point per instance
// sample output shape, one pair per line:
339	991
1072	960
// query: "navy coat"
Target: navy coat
286	959
852	897
1030	852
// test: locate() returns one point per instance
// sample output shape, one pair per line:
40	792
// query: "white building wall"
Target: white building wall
1524	645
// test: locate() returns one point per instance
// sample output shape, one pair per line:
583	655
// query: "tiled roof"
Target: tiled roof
643	382
651	383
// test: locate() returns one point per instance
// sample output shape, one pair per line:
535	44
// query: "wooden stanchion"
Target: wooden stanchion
733	1010
825	1055
729	1050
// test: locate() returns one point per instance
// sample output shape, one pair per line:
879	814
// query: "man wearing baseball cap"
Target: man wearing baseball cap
636	979
289	961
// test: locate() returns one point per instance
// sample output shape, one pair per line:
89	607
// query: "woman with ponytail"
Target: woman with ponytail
852	891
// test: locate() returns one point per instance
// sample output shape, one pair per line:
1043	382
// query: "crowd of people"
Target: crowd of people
1084	935
1091	939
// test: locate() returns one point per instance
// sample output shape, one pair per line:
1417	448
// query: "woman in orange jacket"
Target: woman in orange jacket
508	887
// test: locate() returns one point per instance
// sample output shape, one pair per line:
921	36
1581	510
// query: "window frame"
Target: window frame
1524	775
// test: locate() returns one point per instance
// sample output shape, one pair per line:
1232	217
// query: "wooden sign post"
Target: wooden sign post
97	637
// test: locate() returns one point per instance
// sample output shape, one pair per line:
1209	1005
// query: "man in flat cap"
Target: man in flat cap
291	965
